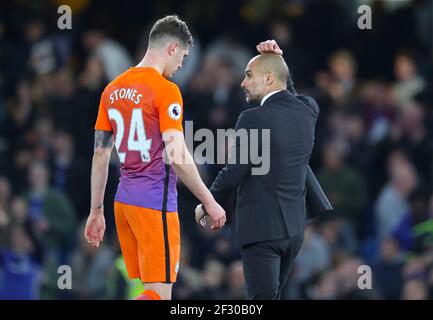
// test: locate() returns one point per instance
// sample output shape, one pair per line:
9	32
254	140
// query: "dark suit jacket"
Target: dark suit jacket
271	206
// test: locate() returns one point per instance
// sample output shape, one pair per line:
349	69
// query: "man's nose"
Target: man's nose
243	84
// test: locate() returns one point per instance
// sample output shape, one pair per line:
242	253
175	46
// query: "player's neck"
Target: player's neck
153	59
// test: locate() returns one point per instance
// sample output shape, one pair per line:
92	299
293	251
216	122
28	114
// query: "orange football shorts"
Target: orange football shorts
150	242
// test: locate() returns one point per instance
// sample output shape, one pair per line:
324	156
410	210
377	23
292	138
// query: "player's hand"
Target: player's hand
217	214
269	46
95	227
200	215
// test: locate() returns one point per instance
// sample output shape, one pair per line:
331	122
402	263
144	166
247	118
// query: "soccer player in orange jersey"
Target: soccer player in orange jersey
140	113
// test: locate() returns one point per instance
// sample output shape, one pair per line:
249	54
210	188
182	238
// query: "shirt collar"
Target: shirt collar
268	95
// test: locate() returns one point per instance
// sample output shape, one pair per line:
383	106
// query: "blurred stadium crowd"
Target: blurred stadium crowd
373	152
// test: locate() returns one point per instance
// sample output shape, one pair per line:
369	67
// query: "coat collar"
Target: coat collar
277	96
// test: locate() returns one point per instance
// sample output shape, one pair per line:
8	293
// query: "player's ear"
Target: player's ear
172	48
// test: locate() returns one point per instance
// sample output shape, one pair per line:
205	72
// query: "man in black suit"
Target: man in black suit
271	207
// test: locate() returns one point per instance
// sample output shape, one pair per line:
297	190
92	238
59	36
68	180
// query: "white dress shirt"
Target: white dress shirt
268	95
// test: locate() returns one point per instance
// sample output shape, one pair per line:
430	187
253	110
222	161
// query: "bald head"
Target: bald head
272	63
266	73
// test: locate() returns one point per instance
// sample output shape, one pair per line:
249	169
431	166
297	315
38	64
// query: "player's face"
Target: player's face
176	60
253	83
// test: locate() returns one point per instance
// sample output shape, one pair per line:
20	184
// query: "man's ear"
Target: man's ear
172	48
269	78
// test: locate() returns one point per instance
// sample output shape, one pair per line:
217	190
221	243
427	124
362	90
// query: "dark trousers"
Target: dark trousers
267	266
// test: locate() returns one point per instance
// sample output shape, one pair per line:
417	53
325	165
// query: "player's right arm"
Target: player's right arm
185	168
95	226
100	162
104	141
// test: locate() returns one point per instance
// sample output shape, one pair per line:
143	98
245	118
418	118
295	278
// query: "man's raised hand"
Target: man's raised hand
269	46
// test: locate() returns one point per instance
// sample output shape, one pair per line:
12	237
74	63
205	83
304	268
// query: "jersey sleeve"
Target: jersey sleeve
171	109
103	121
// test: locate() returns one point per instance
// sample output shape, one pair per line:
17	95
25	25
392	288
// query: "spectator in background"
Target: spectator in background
213	280
226	96
223	248
414	289
414	269
64	102
215	86
91	82
235	282
377	109
42	52
357	153
20	116
5	193
63	147
91	269
324	288
18	121
47	52
430	284
297	59
344	186
348	276
52	216
392	202
424	230
404	232
19	211
204	248
342	83
229	48
338	235
43	137
388	269
68	170
92	77
409	82
190	279
13	57
411	137
20	267
314	256
313	259
114	58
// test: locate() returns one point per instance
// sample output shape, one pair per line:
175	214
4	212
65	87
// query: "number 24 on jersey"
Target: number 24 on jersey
141	144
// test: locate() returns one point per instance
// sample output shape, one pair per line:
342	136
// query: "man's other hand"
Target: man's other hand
200	215
215	211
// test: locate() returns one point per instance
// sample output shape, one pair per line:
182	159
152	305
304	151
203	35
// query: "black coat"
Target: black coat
273	205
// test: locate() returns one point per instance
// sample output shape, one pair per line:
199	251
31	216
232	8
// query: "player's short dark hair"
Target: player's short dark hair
171	26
